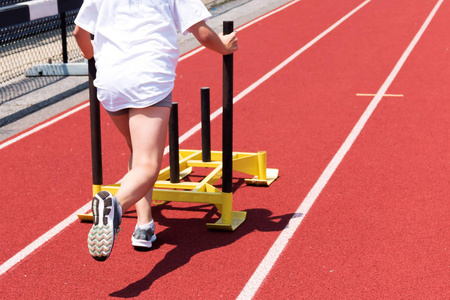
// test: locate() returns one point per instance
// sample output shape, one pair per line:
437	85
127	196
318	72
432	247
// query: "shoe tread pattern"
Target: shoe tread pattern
101	235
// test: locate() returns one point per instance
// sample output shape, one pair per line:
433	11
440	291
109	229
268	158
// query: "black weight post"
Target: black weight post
96	142
206	124
174	147
227	120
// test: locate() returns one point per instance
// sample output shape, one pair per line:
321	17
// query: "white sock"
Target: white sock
147	226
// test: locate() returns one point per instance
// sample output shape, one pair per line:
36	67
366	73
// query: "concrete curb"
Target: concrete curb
39	104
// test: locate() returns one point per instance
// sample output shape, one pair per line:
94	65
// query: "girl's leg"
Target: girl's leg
122	123
144	209
147	137
148	131
143	206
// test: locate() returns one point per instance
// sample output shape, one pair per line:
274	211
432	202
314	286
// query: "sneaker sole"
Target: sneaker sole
101	235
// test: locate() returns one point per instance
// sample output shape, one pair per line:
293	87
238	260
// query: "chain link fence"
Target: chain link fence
36	42
10	2
46	40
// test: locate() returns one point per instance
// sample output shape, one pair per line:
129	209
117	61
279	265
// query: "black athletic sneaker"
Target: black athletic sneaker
107	218
143	238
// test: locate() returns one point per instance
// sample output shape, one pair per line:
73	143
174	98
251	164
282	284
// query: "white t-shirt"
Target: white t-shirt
135	46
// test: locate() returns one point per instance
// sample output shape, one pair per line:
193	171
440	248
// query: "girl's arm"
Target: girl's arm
83	39
223	44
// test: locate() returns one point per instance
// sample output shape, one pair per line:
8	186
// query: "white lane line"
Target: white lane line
277	10
373	95
268	14
183	57
42	126
42	239
271	73
277	248
55	230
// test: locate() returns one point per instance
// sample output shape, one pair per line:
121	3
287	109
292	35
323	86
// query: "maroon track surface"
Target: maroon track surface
379	228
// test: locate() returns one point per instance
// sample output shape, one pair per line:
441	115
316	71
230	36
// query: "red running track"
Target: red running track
379	228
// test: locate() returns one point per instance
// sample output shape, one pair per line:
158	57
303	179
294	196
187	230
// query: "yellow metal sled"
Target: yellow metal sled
205	191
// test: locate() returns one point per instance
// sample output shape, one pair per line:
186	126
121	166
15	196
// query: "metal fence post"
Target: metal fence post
62	17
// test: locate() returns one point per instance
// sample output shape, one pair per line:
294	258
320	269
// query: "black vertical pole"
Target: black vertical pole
62	17
206	124
174	147
227	120
96	142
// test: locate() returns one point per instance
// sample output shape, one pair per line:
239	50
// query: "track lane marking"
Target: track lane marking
73	217
195	51
42	126
271	73
183	57
279	245
385	95
42	239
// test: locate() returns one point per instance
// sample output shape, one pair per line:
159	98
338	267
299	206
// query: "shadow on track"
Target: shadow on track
188	240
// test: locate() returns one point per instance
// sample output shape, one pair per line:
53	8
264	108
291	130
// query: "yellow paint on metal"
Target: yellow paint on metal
96	189
204	191
86	217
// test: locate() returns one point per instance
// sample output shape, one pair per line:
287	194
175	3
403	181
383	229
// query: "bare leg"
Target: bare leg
143	206
144	209
147	128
